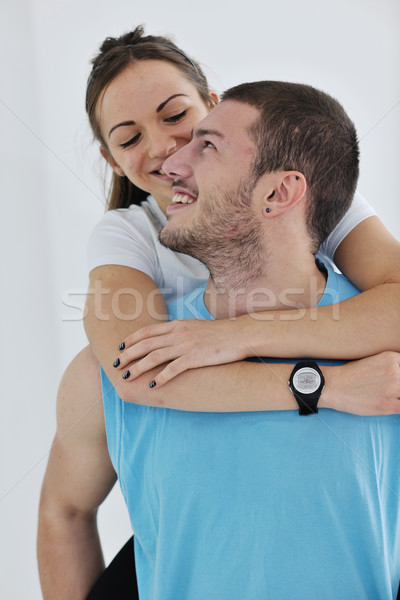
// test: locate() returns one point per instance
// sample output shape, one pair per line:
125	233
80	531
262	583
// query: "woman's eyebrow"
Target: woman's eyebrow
123	124
158	109
167	100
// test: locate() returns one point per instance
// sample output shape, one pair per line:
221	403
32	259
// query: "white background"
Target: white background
52	190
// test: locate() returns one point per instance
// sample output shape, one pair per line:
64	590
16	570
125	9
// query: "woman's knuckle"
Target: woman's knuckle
155	355
172	368
145	346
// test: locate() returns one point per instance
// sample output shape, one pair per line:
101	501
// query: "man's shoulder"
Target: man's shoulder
190	306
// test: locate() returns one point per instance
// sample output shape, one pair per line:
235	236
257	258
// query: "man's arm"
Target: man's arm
79	476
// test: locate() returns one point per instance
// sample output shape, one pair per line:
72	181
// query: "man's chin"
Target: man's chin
177	208
173	237
167	236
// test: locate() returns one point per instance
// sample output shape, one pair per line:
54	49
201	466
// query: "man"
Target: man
261	505
254	505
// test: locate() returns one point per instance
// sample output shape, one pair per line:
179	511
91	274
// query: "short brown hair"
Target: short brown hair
304	129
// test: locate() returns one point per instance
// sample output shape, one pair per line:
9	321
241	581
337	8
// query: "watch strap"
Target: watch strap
307	402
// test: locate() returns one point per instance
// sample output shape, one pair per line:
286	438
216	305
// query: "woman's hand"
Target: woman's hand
184	344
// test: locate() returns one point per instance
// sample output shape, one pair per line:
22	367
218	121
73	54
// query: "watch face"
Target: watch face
306	380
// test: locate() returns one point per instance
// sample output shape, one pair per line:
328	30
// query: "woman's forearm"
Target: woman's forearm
366	387
120	301
235	387
363	325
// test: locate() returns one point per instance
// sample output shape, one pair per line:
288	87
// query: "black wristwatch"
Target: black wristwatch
307	382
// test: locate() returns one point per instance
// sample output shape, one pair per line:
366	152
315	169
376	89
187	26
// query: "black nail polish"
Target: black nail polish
116	362
121	346
152	384
126	375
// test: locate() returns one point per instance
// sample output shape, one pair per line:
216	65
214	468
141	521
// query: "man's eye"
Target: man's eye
132	141
208	144
176	118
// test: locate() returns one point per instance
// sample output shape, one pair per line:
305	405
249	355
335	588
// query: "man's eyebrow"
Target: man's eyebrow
123	124
159	108
197	133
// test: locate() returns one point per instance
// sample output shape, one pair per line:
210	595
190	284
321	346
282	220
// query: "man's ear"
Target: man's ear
285	190
115	167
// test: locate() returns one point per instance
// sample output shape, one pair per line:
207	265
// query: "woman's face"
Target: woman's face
146	114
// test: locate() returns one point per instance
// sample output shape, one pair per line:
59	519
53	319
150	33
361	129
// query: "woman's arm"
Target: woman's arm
369	255
120	300
366	324
370	386
241	386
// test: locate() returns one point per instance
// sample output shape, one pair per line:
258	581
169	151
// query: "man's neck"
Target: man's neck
283	285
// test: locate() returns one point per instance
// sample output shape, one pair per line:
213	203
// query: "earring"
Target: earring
268	210
122	174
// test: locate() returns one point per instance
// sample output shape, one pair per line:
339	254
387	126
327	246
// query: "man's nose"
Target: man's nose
178	165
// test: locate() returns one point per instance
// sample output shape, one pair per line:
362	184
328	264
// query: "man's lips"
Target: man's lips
180	200
183	194
183	198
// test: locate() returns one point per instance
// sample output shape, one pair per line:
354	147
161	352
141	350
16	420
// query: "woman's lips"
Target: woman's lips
159	173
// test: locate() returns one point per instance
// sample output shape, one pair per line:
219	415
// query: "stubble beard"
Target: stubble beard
225	236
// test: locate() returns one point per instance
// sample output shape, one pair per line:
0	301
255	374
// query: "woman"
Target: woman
144	97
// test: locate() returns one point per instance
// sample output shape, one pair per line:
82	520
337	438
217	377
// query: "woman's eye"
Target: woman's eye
132	141
176	118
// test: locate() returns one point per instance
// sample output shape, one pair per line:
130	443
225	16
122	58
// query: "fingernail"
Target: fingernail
121	346
152	384
126	374
116	363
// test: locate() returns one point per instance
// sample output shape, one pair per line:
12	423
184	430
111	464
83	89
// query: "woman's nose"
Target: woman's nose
161	146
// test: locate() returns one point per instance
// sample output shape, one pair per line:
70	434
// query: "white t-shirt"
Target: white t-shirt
129	237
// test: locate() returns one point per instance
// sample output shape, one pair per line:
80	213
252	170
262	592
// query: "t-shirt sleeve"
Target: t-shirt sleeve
123	238
358	211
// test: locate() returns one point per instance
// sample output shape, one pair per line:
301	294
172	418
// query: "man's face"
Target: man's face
212	182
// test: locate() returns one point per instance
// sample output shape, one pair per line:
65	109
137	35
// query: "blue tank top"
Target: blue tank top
263	505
